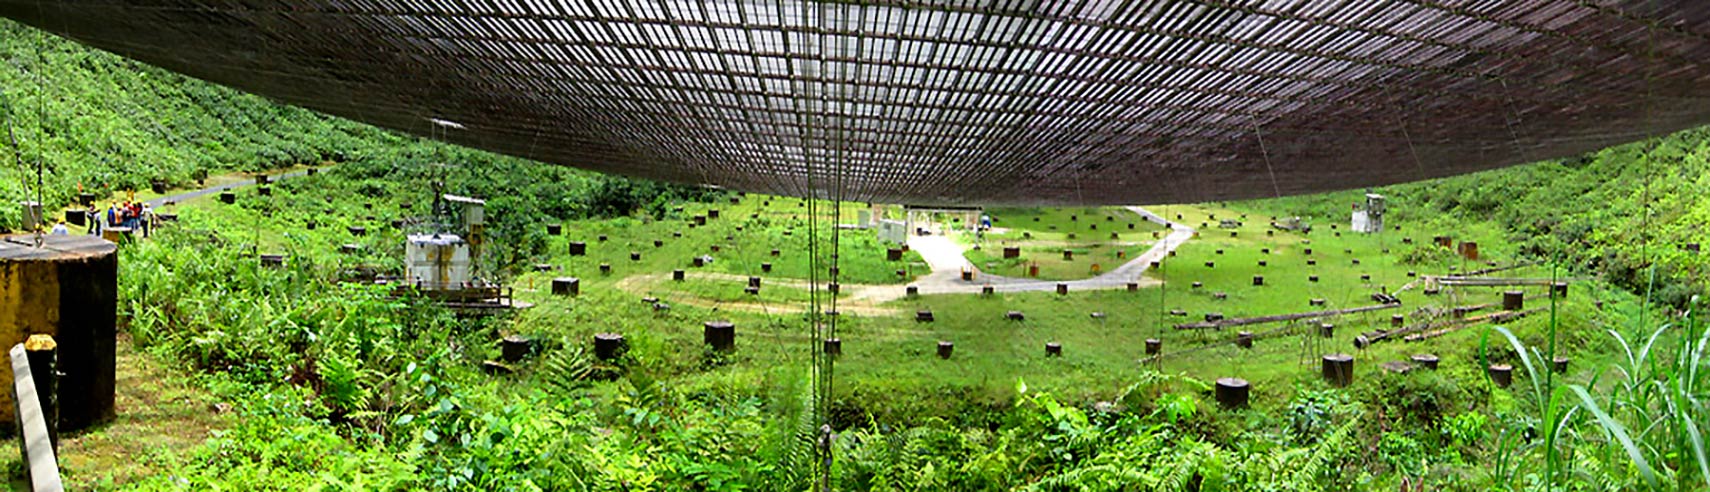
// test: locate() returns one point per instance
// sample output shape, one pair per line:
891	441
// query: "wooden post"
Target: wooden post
1053	349
945	349
1154	346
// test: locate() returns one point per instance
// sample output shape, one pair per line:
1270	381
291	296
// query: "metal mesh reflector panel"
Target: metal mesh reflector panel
959	101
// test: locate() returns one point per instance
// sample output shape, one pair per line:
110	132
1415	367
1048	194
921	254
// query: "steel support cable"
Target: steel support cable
824	390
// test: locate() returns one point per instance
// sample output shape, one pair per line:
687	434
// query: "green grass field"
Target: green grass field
887	352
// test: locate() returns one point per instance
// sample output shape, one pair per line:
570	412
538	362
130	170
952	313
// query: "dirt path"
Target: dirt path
947	262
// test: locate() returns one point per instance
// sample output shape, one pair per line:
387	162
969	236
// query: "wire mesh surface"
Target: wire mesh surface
957	102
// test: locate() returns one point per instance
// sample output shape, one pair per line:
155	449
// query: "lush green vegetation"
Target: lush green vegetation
335	383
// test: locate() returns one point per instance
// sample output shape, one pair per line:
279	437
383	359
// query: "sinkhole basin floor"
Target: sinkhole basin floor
889	366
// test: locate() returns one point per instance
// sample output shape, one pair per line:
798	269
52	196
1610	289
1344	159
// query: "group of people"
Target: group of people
137	216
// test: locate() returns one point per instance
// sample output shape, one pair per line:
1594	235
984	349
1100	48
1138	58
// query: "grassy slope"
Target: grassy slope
110	124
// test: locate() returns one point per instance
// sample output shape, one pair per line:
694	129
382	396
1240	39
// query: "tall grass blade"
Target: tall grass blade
1526	360
1618	432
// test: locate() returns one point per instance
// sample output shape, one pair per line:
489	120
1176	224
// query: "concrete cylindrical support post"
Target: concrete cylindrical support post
228	198
515	348
1133	286
1244	339
1011	252
721	335
1015	316
1501	374
1397	320
554	229
635	256
945	349
1338	369
1068	255
609	346
273	261
1232	393
1513	300
833	347
1154	346
677	275
1428	361
1326	330
912	290
1062	289
566	286
924	316
357	230
68	289
1258	280
1559	365
894	254
578	248
1053	349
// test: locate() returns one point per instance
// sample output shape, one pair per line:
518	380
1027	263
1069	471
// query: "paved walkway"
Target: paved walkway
945	258
947	262
181	197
